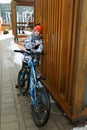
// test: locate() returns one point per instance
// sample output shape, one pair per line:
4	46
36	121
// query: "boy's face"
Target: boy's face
36	32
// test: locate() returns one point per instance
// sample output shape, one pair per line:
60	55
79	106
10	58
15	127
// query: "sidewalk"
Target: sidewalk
14	111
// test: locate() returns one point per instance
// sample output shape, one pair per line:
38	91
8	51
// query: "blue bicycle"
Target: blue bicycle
30	83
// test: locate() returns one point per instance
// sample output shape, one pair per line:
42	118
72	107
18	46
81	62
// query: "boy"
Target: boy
34	42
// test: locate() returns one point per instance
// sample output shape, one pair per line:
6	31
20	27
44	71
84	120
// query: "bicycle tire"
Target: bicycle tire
41	112
23	84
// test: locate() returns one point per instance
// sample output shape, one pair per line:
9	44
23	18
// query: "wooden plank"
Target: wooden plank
81	61
25	2
57	35
73	52
13	9
45	28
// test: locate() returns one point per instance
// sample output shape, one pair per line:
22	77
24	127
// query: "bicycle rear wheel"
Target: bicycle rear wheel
41	111
23	80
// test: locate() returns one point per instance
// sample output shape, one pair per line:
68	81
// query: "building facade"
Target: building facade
5	13
24	13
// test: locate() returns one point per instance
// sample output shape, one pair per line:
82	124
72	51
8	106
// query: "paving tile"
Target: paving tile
33	128
10	126
8	118
27	115
7	95
20	116
17	101
22	126
20	119
56	111
7	105
64	119
6	92
59	124
7	85
26	108
5	88
7	100
49	128
18	106
29	122
8	111
5	81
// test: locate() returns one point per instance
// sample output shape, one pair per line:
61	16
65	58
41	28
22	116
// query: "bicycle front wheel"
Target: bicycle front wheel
23	80
41	111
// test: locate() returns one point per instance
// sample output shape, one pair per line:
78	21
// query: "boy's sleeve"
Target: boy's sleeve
27	43
40	48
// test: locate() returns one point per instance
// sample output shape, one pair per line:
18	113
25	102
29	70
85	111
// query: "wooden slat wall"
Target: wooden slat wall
56	20
60	20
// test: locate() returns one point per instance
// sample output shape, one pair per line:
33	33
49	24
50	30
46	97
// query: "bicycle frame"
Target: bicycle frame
33	82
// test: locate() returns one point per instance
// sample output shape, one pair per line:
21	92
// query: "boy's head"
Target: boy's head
37	30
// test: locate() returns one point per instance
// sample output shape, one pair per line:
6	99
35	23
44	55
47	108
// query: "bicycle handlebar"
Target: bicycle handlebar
29	52
21	51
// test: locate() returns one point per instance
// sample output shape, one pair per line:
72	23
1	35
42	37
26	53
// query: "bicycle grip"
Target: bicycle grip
21	51
18	51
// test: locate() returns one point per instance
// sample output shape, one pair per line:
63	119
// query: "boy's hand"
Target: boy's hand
37	43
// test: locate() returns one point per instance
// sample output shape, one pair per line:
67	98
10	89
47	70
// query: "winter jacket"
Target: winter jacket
30	43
